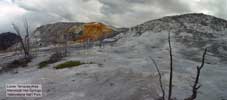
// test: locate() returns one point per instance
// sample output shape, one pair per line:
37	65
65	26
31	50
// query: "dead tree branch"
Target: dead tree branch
196	85
171	67
160	78
21	39
27	37
25	42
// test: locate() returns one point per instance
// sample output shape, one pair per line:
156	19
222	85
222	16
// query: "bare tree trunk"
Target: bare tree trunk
171	67
196	85
66	38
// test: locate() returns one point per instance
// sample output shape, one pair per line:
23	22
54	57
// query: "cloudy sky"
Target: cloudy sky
120	13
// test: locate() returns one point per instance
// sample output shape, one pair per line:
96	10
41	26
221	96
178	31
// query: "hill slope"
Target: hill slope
55	33
190	35
190	32
7	40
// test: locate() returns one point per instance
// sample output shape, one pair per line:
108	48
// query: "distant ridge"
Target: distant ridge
7	40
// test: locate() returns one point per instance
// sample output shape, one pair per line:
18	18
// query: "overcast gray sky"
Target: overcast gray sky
120	13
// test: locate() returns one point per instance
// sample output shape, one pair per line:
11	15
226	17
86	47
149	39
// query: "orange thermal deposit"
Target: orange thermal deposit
94	31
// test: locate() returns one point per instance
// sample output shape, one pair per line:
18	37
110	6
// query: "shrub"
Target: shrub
53	59
21	62
43	64
69	64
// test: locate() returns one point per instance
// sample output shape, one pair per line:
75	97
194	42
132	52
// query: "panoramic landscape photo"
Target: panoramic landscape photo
113	50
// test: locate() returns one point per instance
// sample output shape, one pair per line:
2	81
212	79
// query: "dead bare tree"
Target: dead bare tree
196	85
171	67
60	41
27	37
160	78
65	44
24	41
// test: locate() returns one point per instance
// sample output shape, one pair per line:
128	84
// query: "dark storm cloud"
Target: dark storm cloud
118	13
71	10
115	7
46	8
122	13
132	12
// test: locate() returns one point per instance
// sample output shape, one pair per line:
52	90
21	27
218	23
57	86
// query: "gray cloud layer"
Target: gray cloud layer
122	13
